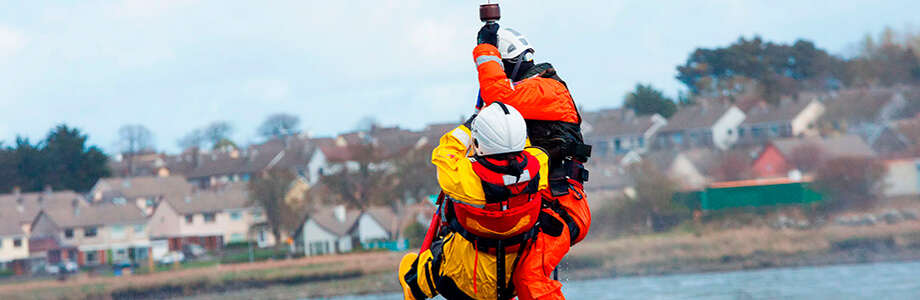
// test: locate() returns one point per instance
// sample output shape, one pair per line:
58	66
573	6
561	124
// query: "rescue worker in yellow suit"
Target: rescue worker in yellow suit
508	74
491	209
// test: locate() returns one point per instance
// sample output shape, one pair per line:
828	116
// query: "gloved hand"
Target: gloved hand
469	122
488	34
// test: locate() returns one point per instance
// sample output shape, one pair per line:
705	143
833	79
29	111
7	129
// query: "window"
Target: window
17	243
91	256
209	217
139	229
117	232
68	233
236	216
189	218
237	237
90	232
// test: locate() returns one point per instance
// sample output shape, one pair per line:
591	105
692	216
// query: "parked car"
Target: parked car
123	267
63	267
193	251
172	257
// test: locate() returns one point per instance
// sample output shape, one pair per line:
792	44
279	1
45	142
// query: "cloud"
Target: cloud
268	90
10	42
146	10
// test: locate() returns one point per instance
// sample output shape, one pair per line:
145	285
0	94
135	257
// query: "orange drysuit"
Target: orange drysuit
553	124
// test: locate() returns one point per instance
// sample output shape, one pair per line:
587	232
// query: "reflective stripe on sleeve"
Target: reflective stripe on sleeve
461	135
487	58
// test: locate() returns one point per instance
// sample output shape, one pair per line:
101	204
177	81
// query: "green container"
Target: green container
758	196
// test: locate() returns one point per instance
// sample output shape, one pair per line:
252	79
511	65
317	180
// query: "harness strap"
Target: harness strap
500	269
484	244
574	230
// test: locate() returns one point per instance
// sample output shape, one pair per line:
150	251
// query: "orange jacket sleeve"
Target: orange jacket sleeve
535	98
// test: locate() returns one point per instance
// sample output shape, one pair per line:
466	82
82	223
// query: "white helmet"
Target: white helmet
497	129
512	44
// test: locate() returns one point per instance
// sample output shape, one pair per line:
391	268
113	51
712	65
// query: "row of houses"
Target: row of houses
746	122
125	217
748	140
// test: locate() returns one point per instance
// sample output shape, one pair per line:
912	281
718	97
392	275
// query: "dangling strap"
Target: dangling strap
475	266
500	268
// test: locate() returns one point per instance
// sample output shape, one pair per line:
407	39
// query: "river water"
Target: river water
897	280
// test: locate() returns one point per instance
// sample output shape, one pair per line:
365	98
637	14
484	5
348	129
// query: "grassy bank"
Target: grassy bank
214	280
374	272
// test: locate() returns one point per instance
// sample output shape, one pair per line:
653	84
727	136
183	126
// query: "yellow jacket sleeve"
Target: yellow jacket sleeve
455	171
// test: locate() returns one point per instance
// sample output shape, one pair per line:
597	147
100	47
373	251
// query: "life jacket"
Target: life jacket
508	218
512	198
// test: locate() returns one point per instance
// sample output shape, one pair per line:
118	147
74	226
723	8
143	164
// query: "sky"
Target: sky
177	65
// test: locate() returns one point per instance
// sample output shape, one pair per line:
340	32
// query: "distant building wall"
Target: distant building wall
770	163
902	178
725	130
369	229
10	252
805	123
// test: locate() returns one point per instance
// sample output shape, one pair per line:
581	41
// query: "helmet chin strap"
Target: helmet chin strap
518	61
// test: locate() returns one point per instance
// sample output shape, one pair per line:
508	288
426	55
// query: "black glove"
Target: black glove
488	34
469	122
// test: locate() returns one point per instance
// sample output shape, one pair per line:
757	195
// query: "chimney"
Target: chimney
17	193
339	212
75	203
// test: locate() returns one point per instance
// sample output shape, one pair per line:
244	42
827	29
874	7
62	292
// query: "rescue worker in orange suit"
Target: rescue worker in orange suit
491	209
507	73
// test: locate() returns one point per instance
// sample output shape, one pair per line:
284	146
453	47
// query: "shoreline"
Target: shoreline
374	272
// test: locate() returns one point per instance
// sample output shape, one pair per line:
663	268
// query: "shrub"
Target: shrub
415	233
850	183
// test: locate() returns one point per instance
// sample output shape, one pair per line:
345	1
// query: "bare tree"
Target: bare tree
851	182
195	139
806	158
367	123
654	195
133	140
268	190
735	165
361	182
279	125
218	134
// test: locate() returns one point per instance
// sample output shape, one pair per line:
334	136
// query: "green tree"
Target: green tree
71	163
754	65
646	100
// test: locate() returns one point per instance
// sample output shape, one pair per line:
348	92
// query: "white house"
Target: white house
903	177
340	230
14	242
328	231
